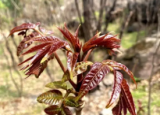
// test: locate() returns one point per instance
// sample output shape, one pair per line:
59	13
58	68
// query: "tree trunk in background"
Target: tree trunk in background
102	7
89	22
108	15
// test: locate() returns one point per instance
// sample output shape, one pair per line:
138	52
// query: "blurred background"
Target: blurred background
135	22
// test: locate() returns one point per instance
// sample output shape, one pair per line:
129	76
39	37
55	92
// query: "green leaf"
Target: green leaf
50	97
57	84
70	101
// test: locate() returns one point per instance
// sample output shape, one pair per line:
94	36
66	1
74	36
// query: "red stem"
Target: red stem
59	62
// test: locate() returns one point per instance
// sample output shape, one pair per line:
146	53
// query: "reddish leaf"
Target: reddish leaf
23	45
118	77
124	68
52	110
119	66
53	42
117	109
26	60
65	111
46	39
108	41
40	54
71	60
92	79
128	97
125	101
36	48
24	26
35	66
73	39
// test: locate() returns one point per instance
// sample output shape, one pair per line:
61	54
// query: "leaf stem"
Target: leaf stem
73	84
59	62
66	95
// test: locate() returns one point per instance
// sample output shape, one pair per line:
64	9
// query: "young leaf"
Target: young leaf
124	68
57	84
117	109
35	66
125	101
23	45
118	77
52	110
50	97
65	111
24	26
56	110
73	39
108	41
70	101
81	67
71	60
119	66
53	42
92	79
128	97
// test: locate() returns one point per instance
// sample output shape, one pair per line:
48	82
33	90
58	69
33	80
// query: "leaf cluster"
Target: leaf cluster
61	96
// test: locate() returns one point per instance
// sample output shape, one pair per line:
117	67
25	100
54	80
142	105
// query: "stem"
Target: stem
78	111
73	84
59	62
79	77
66	95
